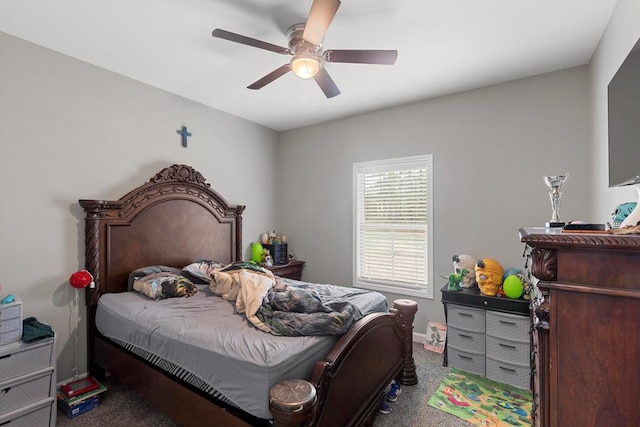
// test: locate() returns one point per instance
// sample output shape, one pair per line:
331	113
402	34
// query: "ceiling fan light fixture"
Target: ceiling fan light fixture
305	66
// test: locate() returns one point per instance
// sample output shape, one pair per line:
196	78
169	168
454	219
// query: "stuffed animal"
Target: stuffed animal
489	274
468	263
455	280
621	213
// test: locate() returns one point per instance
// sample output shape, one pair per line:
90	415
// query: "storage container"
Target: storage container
471	341
466	361
10	322
468	318
509	373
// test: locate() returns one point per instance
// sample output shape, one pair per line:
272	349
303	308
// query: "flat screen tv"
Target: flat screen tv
624	122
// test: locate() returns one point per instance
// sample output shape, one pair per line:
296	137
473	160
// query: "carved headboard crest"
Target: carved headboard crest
182	173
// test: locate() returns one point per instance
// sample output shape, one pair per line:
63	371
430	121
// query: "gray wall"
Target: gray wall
621	35
491	147
70	130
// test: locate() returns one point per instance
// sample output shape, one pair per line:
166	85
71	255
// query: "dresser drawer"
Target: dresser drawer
17	393
37	414
18	359
470	341
509	326
466	361
508	373
10	336
12	324
10	311
467	318
510	351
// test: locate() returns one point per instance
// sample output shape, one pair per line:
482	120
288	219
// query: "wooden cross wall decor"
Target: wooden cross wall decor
184	134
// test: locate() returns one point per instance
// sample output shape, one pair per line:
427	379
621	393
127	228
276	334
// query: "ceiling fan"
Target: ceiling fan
305	45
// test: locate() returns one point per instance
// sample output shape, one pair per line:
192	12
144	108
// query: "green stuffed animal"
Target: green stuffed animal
455	279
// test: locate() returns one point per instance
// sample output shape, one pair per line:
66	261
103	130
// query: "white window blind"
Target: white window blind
392	223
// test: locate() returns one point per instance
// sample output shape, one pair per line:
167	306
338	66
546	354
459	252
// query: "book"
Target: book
436	337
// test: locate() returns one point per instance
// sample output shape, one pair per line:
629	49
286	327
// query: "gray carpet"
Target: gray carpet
120	406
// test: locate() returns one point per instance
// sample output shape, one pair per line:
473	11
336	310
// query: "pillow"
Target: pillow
145	271
164	285
201	271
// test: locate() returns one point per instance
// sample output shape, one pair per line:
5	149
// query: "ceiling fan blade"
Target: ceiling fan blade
227	35
278	72
320	17
386	57
326	83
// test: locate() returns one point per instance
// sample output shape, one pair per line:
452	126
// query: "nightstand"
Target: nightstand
290	270
28	383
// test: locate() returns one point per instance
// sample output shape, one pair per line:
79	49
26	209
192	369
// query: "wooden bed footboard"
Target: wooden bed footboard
349	384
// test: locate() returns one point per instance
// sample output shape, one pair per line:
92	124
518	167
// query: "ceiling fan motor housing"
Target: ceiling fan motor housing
297	43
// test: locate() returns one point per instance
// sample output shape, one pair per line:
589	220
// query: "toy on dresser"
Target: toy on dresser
465	262
489	274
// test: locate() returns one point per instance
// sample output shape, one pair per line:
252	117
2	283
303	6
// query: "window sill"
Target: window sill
396	290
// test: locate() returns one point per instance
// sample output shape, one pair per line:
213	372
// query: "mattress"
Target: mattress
206	340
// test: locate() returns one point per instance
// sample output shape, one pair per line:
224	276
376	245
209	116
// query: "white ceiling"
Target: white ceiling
443	47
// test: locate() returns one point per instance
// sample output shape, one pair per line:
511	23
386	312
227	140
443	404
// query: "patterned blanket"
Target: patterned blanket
279	308
300	310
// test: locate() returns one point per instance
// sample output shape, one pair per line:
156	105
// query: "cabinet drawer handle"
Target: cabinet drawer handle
5	391
462	356
513	347
465	314
465	336
4	357
507	369
5	423
504	322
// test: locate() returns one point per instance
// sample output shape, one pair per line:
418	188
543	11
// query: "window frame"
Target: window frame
396	164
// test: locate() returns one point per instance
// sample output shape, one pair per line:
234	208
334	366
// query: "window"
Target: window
392	221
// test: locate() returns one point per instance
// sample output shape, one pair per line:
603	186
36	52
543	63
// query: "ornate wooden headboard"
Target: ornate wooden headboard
174	219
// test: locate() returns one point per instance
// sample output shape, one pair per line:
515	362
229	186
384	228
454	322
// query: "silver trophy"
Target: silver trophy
555	183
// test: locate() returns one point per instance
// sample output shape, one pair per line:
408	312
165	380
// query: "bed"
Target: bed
172	220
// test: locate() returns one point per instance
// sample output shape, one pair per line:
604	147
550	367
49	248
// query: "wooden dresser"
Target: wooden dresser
586	344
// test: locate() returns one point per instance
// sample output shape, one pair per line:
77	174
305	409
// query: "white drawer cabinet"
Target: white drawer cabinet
508	349
488	336
466	338
28	384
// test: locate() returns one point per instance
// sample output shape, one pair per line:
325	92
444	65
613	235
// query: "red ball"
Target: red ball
80	279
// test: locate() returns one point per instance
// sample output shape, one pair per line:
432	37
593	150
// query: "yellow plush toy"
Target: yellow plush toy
489	274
